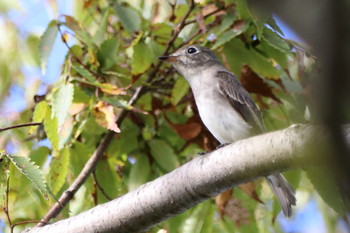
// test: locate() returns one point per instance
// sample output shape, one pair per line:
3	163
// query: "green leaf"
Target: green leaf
82	35
59	169
275	41
39	155
84	72
107	54
107	178
32	45
32	172
51	128
163	154
196	221
128	140
100	34
4	176
139	172
128	17
62	100
46	44
141	59
272	22
242	9
39	114
179	90
326	187
226	23
280	57
238	54
229	35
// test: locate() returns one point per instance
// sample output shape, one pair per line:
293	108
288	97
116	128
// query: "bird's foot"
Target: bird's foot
222	145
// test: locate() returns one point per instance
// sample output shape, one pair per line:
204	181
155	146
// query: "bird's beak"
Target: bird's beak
170	59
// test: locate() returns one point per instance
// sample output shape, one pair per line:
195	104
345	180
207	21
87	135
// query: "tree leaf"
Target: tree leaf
62	100
139	172
275	41
272	22
74	25
84	72
280	57
46	44
195	222
59	169
107	54
4	176
326	187
99	35
32	172
51	128
163	154
179	90
141	59
104	116
128	17
238	28
238	55
38	115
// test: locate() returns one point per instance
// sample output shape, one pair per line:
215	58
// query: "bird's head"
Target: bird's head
191	59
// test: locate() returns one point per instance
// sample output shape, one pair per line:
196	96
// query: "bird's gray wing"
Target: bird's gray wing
240	99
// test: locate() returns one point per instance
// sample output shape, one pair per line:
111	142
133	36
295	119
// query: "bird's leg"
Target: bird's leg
222	145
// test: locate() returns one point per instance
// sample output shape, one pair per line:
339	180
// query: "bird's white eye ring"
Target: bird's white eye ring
191	50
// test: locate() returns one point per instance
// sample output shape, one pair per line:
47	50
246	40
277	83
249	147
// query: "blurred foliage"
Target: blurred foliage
116	45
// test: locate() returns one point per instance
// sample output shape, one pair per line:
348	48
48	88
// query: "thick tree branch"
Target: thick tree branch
200	179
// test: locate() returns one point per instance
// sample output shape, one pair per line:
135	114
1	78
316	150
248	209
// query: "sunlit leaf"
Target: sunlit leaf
4	176
104	116
51	128
141	58
180	89
46	44
39	114
62	101
59	169
238	28
32	172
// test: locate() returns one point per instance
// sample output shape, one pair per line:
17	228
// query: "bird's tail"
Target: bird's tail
284	192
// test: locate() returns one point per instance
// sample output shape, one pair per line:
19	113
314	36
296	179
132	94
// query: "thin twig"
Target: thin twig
23	222
20	125
6	208
100	187
207	15
71	51
92	162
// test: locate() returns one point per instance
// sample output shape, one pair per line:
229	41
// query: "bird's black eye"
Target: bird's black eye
191	50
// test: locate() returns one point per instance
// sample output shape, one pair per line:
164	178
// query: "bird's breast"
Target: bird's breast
221	119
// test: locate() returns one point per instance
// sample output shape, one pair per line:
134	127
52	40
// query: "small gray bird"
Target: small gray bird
225	107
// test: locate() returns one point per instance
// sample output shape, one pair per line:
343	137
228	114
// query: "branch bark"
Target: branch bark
200	179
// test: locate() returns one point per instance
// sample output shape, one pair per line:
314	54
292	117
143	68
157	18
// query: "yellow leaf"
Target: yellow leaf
113	90
104	116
